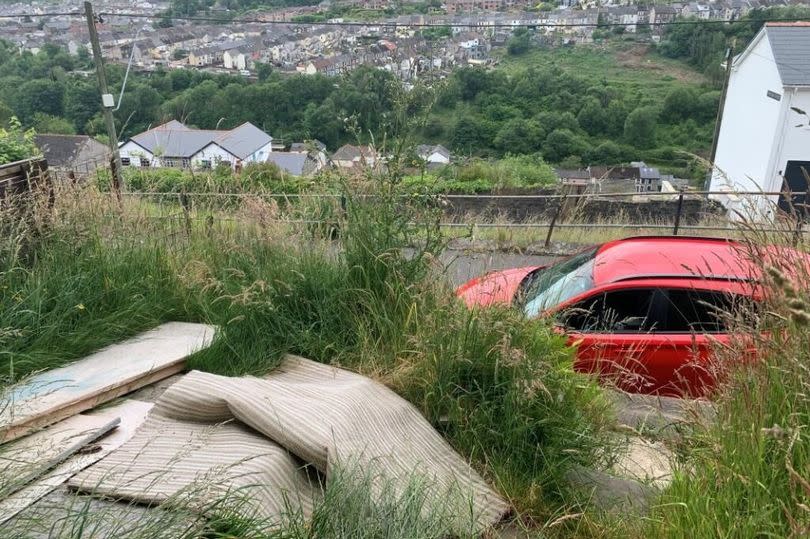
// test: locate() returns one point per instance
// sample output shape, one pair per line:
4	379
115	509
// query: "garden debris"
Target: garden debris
57	394
126	417
209	435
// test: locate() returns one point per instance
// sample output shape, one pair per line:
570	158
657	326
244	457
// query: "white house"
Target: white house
433	155
764	141
235	59
175	145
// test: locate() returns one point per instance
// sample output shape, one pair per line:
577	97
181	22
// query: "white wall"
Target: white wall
795	141
213	153
750	120
134	153
260	155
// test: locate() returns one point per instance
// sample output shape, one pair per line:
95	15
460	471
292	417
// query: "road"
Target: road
463	265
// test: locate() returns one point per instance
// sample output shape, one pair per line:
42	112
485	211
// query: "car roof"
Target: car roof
671	257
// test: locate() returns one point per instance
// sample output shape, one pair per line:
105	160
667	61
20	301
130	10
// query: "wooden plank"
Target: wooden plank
53	395
131	414
26	459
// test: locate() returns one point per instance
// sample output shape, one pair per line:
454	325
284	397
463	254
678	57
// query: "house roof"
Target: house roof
426	150
290	162
349	152
244	140
790	43
174	139
308	145
62	150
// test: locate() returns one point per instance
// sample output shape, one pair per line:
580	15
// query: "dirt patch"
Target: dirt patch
640	57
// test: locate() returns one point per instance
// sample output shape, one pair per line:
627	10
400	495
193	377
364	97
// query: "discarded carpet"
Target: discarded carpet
214	434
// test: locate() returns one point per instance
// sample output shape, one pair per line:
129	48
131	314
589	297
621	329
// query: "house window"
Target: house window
170	162
205	164
225	163
186	162
125	161
145	162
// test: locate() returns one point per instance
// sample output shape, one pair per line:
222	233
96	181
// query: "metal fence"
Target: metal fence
720	225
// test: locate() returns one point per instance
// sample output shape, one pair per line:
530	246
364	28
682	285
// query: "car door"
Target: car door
613	333
652	340
694	329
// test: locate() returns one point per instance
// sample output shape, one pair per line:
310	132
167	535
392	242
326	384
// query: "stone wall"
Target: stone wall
636	210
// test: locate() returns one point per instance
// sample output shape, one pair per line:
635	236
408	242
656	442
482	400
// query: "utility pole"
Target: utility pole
107	101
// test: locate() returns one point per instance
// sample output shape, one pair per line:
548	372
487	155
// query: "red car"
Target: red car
644	313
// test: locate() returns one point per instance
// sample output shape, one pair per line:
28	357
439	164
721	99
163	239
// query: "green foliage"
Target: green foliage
748	469
519	43
44	123
640	127
514	171
15	143
499	387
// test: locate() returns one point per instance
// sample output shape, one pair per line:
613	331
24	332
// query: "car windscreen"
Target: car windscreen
558	283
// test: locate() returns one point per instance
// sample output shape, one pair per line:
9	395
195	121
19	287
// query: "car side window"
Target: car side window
702	311
618	311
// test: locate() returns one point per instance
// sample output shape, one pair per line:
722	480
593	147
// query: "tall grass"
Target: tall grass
500	388
748	473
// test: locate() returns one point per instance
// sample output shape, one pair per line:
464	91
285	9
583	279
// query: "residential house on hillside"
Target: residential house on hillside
175	145
295	163
433	155
77	155
314	148
235	59
764	142
350	157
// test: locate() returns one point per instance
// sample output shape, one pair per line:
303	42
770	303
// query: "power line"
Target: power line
33	15
481	24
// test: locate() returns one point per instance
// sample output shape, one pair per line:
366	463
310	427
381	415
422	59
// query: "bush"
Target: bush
16	144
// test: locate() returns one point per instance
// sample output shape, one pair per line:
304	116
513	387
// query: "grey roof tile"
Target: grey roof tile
791	51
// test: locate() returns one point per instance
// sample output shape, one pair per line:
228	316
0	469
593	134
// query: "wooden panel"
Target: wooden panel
131	415
26	459
54	395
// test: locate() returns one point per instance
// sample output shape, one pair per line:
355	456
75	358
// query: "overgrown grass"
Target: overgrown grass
499	387
748	474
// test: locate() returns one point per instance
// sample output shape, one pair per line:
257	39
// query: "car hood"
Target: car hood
494	287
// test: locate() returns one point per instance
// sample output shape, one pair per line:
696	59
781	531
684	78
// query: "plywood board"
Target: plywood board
130	414
54	395
27	458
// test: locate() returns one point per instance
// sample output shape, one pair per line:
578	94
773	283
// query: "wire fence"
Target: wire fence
327	208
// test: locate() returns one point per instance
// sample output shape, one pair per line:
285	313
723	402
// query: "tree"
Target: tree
82	102
179	54
561	143
324	122
519	42
468	134
45	123
607	153
263	71
45	96
5	114
592	118
517	136
640	127
15	143
680	104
